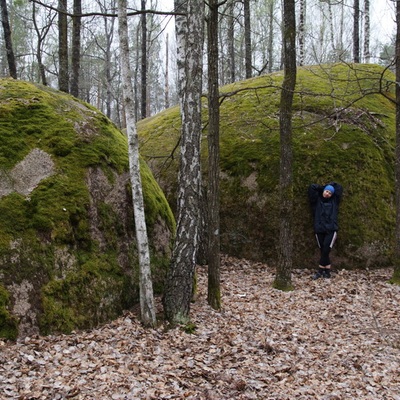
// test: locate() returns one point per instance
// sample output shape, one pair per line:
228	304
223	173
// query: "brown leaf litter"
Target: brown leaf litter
327	339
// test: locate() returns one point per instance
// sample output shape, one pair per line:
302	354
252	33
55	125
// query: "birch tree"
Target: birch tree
367	32
147	307
189	28
283	273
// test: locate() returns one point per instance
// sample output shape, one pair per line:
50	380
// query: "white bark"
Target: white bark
146	287
189	38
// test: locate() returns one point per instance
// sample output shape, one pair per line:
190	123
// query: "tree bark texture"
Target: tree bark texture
76	48
247	38
270	50
63	65
283	272
189	39
147	307
396	273
356	32
214	286
231	41
367	32
12	67
302	18
143	101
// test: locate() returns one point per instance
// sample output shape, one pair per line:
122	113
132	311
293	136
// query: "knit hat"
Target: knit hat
330	188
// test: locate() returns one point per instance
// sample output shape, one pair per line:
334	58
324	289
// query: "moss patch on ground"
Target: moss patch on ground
343	130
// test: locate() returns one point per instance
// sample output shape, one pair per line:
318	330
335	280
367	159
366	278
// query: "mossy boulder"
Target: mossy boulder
68	256
343	131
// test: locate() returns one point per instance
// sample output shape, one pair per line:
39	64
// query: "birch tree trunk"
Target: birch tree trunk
147	308
143	71
367	32
189	40
283	272
214	285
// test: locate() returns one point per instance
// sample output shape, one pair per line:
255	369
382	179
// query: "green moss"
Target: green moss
48	236
343	130
84	298
8	324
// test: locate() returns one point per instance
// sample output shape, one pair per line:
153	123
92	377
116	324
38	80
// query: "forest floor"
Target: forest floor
328	339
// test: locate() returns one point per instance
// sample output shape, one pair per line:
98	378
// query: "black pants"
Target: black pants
325	242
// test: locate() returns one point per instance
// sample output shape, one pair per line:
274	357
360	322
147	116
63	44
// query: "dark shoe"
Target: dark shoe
319	274
327	273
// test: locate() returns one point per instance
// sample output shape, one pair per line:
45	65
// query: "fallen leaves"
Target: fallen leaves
327	339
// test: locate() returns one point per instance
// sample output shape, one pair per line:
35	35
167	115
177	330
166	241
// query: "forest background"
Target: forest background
73	45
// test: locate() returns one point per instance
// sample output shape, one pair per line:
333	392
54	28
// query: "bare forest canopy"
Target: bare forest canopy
82	55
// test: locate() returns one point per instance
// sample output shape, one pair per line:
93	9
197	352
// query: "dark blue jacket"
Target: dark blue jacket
325	211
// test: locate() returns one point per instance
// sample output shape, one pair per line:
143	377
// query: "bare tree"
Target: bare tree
283	272
12	67
143	102
214	287
302	18
356	32
231	40
271	6
396	273
76	47
63	64
367	32
41	33
147	307
189	38
247	38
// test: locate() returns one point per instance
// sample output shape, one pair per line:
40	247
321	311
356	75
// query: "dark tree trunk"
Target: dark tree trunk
12	67
231	41
214	289
143	101
179	282
283	271
302	18
356	32
76	47
41	35
396	273
247	38
63	77
270	50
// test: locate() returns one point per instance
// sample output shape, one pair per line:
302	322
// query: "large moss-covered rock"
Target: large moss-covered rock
343	130
68	256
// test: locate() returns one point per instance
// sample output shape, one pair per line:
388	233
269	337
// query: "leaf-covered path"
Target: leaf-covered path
328	339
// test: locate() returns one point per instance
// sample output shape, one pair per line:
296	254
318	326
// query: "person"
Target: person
324	201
